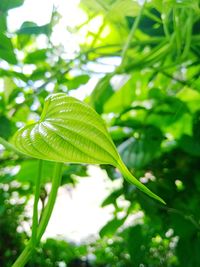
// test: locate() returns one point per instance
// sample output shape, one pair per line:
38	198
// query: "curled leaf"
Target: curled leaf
71	131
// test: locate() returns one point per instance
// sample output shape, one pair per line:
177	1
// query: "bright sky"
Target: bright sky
77	214
40	13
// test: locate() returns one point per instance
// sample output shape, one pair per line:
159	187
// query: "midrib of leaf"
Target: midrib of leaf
85	140
96	139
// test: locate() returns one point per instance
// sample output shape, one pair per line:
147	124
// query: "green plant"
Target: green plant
68	131
149	99
13	198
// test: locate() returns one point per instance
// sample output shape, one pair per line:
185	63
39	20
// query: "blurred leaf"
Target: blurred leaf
38	74
111	227
129	89
136	241
180	223
116	11
77	81
72	170
23	40
190	145
28	171
6	49
196	126
22	114
9	86
120	133
101	93
31	28
151	24
167	111
11	73
3	23
138	152
34	57
111	199
5	127
5	5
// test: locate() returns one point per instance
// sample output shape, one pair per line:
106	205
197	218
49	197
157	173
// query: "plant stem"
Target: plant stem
24	256
35	206
57	175
9	146
26	253
131	34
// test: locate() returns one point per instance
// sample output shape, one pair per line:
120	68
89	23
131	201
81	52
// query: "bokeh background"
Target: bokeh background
137	63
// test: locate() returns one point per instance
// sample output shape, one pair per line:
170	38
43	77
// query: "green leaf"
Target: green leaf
71	131
77	81
150	25
27	171
3	23
111	227
114	10
68	131
29	28
135	240
101	93
190	145
5	127
6	49
34	57
5	5
138	152
196	126
9	87
111	199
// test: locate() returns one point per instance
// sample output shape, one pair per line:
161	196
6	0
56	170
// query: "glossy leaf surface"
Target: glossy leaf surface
71	131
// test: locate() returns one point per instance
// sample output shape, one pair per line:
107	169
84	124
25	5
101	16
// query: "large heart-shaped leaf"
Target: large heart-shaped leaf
71	131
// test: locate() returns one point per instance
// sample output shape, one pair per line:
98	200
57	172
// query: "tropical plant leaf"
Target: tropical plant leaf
71	131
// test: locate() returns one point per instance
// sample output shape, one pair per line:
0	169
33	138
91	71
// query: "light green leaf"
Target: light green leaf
114	10
71	131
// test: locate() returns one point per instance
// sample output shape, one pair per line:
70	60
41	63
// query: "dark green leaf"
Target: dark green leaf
102	92
138	152
31	28
111	227
6	49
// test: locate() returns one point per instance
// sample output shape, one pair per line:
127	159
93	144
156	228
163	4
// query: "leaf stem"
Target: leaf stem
26	253
57	175
9	146
35	206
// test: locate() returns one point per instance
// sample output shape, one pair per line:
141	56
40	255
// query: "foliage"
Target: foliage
70	131
150	102
53	252
12	204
